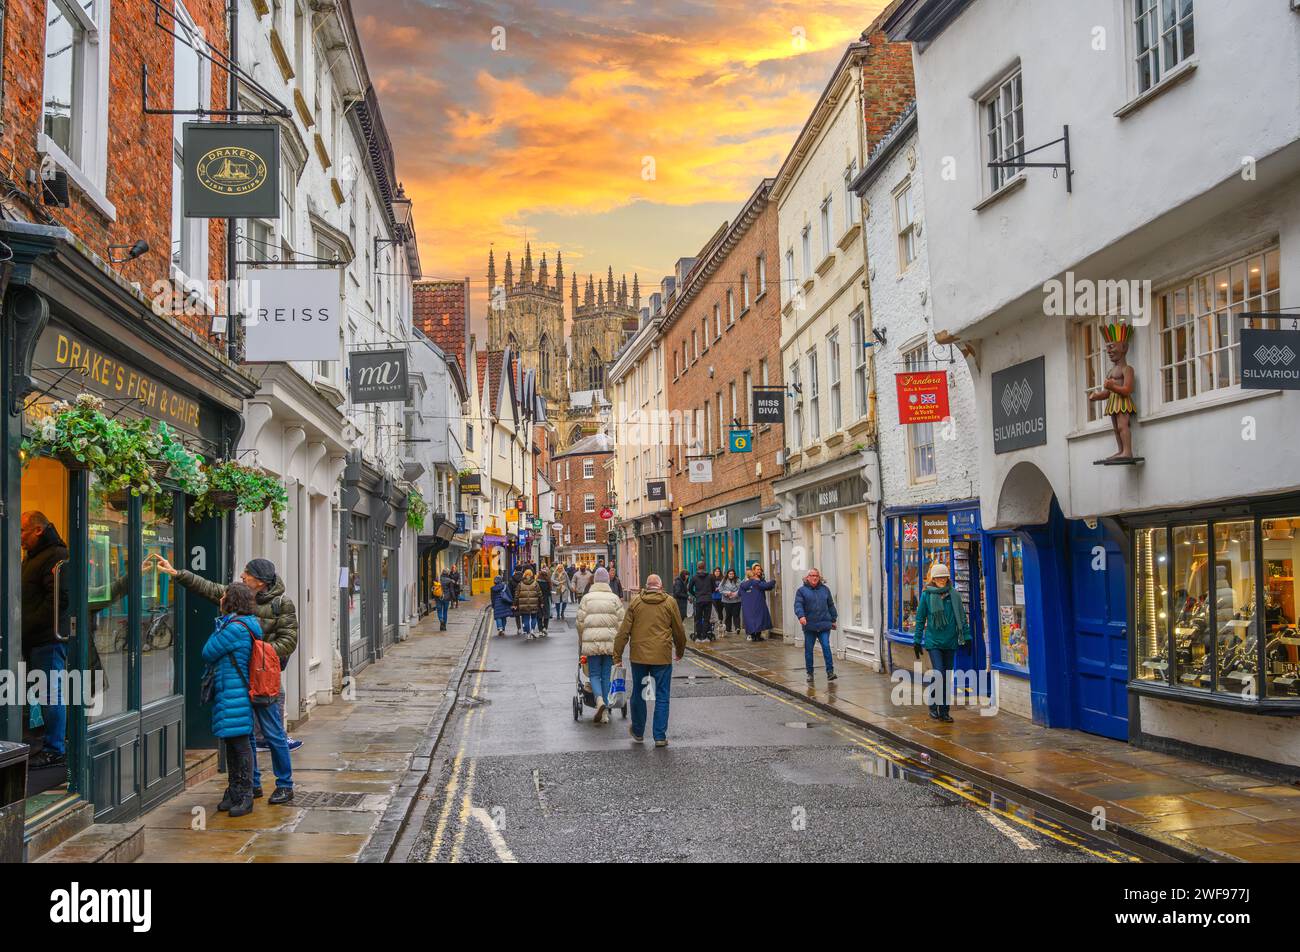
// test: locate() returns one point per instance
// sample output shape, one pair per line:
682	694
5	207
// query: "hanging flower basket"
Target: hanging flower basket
82	437
232	486
71	463
223	499
416	510
178	463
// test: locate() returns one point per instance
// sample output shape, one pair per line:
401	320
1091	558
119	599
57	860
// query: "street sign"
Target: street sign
472	483
742	441
232	170
537	525
1270	360
377	376
292	314
769	405
656	491
1019	401
700	470
922	397
607	513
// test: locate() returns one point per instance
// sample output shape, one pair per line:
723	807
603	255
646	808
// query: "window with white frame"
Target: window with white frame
749	395
589	502
1199	331
806	238
920	436
814	397
704	334
588	469
850	200
1092	364
695	345
1163	37
827	217
797	433
731	306
859	324
833	370
708	426
717	322
74	119
589	533
1004	128
191	90
744	291
762	275
722	424
790	277
905	224
735	410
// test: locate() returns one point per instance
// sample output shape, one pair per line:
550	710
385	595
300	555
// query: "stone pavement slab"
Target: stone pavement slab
1186	808
354	776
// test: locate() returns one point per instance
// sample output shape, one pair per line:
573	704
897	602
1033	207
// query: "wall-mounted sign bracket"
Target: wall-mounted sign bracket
1018	161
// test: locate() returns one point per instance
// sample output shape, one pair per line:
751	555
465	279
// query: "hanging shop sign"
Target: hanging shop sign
849	491
557	527
742	441
471	483
656	491
377	376
512	515
292	314
101	372
232	170
922	397
537	525
1019	402
1270	360
607	513
700	470
769	405
963	521
934	531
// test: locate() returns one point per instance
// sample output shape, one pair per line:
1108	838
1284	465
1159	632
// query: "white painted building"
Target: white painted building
831	482
1156	597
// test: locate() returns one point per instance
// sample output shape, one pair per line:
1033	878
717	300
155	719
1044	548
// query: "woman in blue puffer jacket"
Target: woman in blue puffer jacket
503	603
227	653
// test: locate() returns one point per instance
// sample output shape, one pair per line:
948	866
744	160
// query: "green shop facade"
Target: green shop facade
71	326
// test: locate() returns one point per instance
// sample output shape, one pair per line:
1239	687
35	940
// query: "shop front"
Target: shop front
124	633
433	556
651	545
721	539
371	529
1215	644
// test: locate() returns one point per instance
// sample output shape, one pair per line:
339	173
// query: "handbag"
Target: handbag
618	686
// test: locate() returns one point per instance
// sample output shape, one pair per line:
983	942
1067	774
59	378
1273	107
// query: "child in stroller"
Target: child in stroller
587	698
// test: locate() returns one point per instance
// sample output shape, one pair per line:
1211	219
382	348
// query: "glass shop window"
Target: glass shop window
1151	615
106	595
910	576
1281	542
1192	654
1234	602
1013	641
158	602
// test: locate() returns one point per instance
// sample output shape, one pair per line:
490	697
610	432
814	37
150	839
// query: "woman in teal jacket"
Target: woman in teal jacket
941	627
227	652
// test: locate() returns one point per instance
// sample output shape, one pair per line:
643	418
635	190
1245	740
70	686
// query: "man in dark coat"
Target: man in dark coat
40	601
701	589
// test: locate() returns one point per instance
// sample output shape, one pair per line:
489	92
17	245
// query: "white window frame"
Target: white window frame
731	305
1090	351
814	396
588	533
744	291
806	239
588	502
1152	64
1002	129
833	370
588	469
791	278
922	466
850	200
827	213
858	322
88	167
797	413
762	274
717	322
193	232
909	246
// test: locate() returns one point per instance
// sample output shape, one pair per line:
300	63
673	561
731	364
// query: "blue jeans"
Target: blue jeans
530	622
270	721
941	664
559	609
811	638
441	609
53	659
599	668
662	678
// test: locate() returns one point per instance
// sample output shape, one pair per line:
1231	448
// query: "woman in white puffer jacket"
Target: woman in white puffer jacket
599	615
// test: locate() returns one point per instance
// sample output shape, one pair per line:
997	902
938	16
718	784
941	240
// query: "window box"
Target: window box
337	191
835	439
848	237
825	266
261	8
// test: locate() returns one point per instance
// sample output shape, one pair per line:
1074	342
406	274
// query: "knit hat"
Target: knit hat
261	569
602	575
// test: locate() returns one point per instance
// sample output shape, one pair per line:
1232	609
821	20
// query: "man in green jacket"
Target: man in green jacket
279	620
653	625
941	627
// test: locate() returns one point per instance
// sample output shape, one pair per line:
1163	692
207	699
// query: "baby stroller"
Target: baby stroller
587	698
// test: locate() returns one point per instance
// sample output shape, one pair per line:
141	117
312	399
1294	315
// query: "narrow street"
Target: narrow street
749	775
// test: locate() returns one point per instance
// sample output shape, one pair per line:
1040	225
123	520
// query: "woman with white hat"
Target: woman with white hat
941	627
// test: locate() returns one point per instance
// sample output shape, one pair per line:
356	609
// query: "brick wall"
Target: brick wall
753	337
888	85
572	490
139	179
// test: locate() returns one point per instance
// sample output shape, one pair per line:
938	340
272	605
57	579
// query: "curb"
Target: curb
398	812
1072	816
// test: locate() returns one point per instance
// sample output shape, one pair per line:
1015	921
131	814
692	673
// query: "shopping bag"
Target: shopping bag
618	686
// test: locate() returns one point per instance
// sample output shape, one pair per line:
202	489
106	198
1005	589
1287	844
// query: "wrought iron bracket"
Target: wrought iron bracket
1018	161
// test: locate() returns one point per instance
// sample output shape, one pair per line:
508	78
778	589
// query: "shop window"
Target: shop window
1193	655
1234	608
108	581
1281	543
859	543
1013	640
910	573
158	619
1151	613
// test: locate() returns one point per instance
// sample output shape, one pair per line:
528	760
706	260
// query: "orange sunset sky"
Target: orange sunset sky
549	137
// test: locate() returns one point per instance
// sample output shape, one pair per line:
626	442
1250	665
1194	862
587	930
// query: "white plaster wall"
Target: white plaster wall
1273	739
1241	101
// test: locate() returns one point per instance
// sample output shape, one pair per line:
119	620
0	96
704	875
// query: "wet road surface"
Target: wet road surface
750	775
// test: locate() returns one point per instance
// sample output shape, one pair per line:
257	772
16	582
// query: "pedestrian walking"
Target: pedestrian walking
455	587
227	653
682	592
560	592
653	628
729	592
278	619
815	609
753	603
615	585
701	591
503	603
941	627
516	577
599	615
444	593
544	608
528	601
580	582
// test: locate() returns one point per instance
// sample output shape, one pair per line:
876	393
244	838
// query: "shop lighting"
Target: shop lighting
133	251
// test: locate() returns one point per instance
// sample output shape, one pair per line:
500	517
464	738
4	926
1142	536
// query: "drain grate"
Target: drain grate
323	798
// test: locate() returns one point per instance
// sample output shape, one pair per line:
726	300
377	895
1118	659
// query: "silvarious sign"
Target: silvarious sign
377	376
232	170
1270	360
1019	401
922	396
293	314
769	405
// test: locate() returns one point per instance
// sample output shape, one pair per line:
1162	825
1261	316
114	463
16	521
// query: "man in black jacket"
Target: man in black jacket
41	598
701	589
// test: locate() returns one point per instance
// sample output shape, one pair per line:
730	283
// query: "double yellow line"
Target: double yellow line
1045	827
458	768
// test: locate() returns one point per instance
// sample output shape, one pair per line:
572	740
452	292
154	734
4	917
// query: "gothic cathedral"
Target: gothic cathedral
528	315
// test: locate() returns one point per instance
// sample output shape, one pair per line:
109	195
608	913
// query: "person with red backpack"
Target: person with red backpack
226	685
278	618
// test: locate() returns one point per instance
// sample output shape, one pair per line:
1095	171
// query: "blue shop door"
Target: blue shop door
1100	623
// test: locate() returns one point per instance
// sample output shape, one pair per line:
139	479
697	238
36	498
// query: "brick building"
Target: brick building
581	475
721	340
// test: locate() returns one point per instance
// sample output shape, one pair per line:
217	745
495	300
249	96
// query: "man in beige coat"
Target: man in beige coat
654	627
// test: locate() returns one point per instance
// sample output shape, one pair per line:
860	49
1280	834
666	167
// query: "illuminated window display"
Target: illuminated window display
110	625
158	603
1009	564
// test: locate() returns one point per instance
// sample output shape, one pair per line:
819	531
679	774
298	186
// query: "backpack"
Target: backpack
263	671
437	590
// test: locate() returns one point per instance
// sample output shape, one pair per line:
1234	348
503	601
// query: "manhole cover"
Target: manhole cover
321	798
798	725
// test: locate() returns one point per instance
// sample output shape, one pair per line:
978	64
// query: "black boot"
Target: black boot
242	808
226	803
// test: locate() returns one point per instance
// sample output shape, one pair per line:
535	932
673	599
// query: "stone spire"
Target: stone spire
574	293
559	271
526	272
589	295
492	271
541	272
510	273
600	295
636	292
610	282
